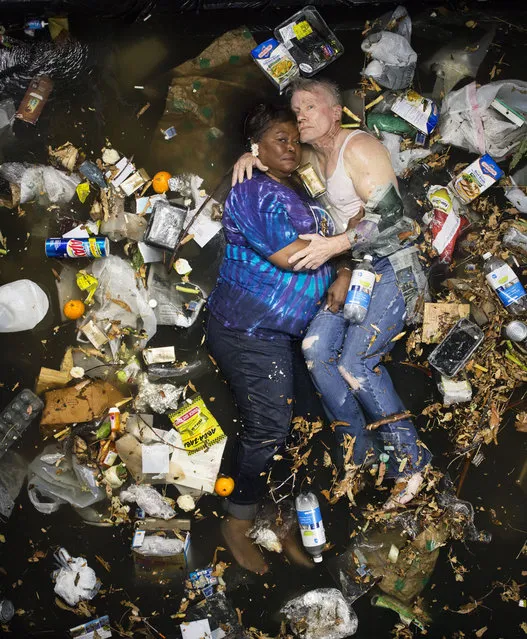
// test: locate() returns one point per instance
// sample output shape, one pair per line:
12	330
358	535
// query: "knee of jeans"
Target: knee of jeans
311	350
353	376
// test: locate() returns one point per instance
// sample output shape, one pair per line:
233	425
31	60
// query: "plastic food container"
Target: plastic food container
457	348
309	41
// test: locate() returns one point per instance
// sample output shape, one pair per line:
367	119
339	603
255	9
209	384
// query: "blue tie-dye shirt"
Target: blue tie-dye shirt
253	295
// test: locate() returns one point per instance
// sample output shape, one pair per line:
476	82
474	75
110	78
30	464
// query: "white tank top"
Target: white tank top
341	194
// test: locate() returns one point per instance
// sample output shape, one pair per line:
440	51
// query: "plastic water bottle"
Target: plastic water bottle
311	525
22	305
502	279
516	331
360	291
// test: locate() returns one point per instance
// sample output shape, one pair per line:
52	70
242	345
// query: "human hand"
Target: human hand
244	168
319	250
338	290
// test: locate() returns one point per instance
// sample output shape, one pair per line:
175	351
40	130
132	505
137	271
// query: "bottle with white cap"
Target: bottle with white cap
360	291
516	331
311	525
503	280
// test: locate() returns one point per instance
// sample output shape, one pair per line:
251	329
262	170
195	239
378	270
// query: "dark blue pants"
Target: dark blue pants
263	376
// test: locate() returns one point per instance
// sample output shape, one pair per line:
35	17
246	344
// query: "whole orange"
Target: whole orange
160	181
224	486
74	309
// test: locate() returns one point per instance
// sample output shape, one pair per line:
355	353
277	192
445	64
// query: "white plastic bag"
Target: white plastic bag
117	281
74	581
34	180
402	160
394	60
156	546
323	613
147	498
468	121
23	304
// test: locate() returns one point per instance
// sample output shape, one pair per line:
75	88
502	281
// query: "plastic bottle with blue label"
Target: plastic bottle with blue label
311	525
504	282
360	291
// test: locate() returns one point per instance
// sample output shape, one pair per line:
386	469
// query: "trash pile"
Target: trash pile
127	437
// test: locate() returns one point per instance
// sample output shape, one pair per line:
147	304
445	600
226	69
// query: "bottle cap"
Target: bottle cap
487	255
383	457
318	559
516	331
152	303
368	257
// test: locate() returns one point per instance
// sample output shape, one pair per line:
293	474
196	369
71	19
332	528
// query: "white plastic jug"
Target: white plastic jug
23	304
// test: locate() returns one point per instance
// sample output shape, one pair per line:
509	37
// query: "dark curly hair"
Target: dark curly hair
263	116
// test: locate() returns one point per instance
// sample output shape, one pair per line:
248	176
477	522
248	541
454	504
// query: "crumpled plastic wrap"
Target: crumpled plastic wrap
402	160
156	546
35	179
117	281
272	524
394	60
158	397
187	185
469	122
74	581
322	613
149	500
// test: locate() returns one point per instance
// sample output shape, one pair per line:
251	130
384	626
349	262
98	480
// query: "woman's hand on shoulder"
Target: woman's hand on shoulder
243	169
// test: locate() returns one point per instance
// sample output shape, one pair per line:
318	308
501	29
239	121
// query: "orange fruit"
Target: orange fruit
224	486
160	181
74	309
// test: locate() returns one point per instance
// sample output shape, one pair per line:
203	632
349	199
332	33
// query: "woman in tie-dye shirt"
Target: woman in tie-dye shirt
260	309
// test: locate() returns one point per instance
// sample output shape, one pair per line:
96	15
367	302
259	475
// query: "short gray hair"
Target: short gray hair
306	84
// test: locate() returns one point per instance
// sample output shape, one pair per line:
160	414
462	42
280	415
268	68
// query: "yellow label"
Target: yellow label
87	282
302	29
196	425
83	190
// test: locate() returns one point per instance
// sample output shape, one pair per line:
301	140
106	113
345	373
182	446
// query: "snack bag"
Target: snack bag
196	425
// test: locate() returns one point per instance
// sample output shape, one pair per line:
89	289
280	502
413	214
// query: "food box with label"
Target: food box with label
276	62
309	41
420	112
476	178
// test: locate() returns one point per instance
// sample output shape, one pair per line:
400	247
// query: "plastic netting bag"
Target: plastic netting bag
323	613
149	500
117	281
469	122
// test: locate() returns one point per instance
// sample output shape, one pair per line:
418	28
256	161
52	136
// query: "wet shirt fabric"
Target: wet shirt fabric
253	295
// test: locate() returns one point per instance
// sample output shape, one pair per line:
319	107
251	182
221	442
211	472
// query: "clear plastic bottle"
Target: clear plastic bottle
503	280
311	525
360	291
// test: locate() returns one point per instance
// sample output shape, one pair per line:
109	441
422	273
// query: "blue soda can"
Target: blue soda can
77	247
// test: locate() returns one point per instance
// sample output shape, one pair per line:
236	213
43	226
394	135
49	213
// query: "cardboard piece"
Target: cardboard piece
439	318
81	403
48	378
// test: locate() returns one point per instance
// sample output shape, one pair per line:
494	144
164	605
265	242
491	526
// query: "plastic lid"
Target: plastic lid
152	303
487	255
368	257
318	559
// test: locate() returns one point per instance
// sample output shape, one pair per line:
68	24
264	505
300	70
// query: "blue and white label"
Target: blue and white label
311	527
507	286
361	288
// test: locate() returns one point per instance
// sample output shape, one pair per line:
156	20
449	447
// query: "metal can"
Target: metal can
313	184
77	247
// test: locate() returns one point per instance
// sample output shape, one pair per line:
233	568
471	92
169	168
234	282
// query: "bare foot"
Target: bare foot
404	491
294	552
244	551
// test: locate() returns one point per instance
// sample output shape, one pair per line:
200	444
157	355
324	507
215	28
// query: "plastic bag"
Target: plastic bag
13	471
33	180
457	60
515	195
394	60
117	281
272	524
402	160
149	500
23	304
156	546
158	397
469	122
74	581
321	614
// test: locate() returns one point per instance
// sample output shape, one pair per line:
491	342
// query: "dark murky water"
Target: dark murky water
102	104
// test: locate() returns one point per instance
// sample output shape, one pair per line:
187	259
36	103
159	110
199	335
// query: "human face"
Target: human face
279	149
315	114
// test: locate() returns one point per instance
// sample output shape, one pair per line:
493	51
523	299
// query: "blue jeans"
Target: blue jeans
344	362
264	376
